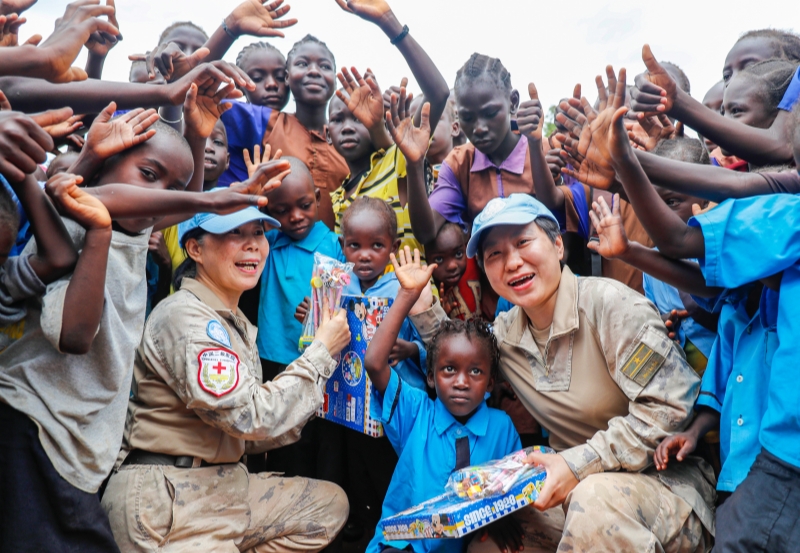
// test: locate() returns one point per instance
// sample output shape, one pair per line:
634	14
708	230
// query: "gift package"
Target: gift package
328	280
474	497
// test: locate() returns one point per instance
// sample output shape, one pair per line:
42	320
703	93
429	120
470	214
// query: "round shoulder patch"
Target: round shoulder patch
218	371
217	332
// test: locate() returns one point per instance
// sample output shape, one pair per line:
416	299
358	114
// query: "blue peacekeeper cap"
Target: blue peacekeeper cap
220	224
516	209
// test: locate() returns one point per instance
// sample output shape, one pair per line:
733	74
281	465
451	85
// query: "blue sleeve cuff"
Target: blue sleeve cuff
709	265
391	398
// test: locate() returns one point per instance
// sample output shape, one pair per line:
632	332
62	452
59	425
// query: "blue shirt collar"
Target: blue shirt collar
385	287
477	425
310	243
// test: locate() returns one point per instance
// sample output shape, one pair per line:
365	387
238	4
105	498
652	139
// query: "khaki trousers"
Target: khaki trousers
615	512
221	508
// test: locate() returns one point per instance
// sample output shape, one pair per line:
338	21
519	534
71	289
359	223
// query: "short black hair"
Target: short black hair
378	208
308	39
476	330
9	216
250	48
678	74
683	148
787	44
774	75
447	226
178	25
479	66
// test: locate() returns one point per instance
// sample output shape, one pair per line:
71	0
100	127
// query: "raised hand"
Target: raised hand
170	61
203	108
394	89
107	137
658	128
608	223
402	350
259	18
655	90
410	272
362	96
101	43
267	176
23	142
530	116
75	203
72	31
412	141
209	76
681	445
371	10
63	129
9	29
592	150
258	159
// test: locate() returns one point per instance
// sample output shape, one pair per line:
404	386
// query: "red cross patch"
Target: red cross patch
218	372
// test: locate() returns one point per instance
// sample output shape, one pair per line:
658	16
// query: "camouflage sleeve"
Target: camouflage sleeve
215	382
650	369
427	322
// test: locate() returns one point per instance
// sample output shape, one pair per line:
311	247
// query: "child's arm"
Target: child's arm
413	142
672	236
683	444
107	137
530	119
656	92
614	244
84	299
91	96
53	58
260	18
413	278
55	253
99	45
430	80
125	201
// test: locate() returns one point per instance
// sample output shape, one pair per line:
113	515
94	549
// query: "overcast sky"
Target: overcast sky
554	44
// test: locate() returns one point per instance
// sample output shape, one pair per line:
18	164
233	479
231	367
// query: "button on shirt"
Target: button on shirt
734	383
424	433
750	239
286	280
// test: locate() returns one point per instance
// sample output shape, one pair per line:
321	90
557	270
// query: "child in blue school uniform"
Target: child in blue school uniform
285	283
435	437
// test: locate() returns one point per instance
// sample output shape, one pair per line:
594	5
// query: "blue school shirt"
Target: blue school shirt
25	232
245	125
286	280
424	433
415	374
666	298
792	93
746	240
734	383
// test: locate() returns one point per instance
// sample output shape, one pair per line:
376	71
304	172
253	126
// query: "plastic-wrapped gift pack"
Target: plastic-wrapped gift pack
475	496
348	392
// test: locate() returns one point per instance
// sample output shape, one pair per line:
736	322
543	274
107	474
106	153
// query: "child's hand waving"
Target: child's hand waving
76	204
266	177
259	18
172	63
100	43
371	10
204	106
362	96
412	141
655	89
107	137
258	159
410	272
530	116
608	223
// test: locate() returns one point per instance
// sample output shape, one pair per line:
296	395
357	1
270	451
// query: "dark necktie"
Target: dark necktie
462	452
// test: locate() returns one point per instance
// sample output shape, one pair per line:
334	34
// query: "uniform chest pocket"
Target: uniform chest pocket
556	376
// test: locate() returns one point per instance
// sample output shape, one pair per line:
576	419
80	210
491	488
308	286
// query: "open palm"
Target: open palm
371	10
608	224
108	137
259	18
410	272
362	95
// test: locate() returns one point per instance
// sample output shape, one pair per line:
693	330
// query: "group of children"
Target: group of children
99	177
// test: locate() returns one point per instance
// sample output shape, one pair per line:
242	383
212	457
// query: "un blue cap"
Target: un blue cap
516	209
220	224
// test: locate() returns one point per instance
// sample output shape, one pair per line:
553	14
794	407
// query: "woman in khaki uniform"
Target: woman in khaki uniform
591	361
198	405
